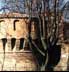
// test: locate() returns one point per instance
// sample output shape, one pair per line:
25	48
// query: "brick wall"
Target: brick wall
15	59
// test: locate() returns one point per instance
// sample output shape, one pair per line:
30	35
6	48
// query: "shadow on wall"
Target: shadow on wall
54	55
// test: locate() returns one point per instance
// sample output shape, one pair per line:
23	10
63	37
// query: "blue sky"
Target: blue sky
62	3
13	7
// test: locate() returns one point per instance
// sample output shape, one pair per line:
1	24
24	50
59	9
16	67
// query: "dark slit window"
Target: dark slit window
13	41
4	41
21	43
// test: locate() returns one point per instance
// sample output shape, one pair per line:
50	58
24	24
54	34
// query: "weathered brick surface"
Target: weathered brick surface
18	62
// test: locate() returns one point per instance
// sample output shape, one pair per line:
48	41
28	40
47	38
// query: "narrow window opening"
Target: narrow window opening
21	43
13	41
4	41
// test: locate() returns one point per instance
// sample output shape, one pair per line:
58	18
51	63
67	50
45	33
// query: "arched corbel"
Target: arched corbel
14	26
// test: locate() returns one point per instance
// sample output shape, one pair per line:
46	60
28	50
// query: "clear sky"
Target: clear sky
62	3
12	5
